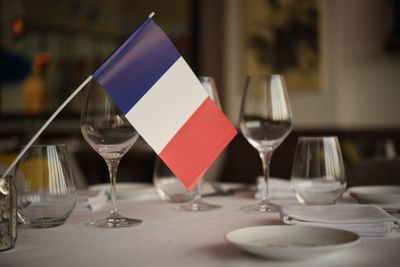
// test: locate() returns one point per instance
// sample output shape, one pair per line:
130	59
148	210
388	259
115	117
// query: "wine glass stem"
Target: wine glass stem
197	193
265	158
112	165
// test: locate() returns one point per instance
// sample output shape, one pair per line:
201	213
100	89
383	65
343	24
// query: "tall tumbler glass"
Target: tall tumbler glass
318	175
46	191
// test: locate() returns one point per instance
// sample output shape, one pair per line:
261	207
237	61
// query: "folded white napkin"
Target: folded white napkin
91	200
278	188
365	220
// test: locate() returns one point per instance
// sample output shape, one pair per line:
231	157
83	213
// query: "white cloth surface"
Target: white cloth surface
91	200
127	191
366	220
173	238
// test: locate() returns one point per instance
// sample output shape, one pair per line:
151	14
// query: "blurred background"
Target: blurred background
341	61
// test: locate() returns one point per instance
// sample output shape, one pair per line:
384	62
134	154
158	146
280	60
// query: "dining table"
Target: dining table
170	237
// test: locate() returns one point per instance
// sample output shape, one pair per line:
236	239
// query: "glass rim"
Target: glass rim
319	137
46	145
263	75
205	77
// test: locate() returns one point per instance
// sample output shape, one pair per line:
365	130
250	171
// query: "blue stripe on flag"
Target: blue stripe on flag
134	68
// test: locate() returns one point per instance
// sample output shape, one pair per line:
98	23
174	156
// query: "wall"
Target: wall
369	78
361	83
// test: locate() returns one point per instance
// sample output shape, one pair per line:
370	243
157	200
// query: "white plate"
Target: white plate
385	196
291	242
126	190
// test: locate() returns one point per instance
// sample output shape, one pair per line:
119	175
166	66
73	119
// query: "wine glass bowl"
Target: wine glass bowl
264	134
110	134
266	116
111	140
265	121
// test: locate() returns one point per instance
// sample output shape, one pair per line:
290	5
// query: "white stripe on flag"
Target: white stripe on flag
164	109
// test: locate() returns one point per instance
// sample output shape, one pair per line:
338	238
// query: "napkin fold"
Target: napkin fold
91	200
365	220
278	188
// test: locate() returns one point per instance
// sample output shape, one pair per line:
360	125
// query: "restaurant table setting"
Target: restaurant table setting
171	237
308	220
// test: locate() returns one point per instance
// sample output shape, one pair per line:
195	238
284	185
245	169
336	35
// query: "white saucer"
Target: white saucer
382	195
291	242
126	190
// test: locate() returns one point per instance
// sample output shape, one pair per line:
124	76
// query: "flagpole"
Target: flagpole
3	187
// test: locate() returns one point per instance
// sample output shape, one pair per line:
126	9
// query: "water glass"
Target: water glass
8	215
318	175
168	186
45	186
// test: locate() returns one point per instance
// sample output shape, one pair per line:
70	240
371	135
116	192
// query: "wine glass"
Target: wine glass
111	135
318	175
265	121
197	204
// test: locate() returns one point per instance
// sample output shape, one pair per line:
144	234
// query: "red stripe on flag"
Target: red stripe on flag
198	143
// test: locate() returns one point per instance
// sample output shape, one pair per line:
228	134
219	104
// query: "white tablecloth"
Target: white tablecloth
172	238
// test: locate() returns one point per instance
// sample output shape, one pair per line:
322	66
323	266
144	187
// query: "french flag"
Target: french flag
163	99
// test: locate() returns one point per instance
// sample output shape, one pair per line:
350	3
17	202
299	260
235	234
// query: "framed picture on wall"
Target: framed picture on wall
284	37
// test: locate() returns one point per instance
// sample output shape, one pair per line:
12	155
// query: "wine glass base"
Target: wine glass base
198	205
263	206
114	220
